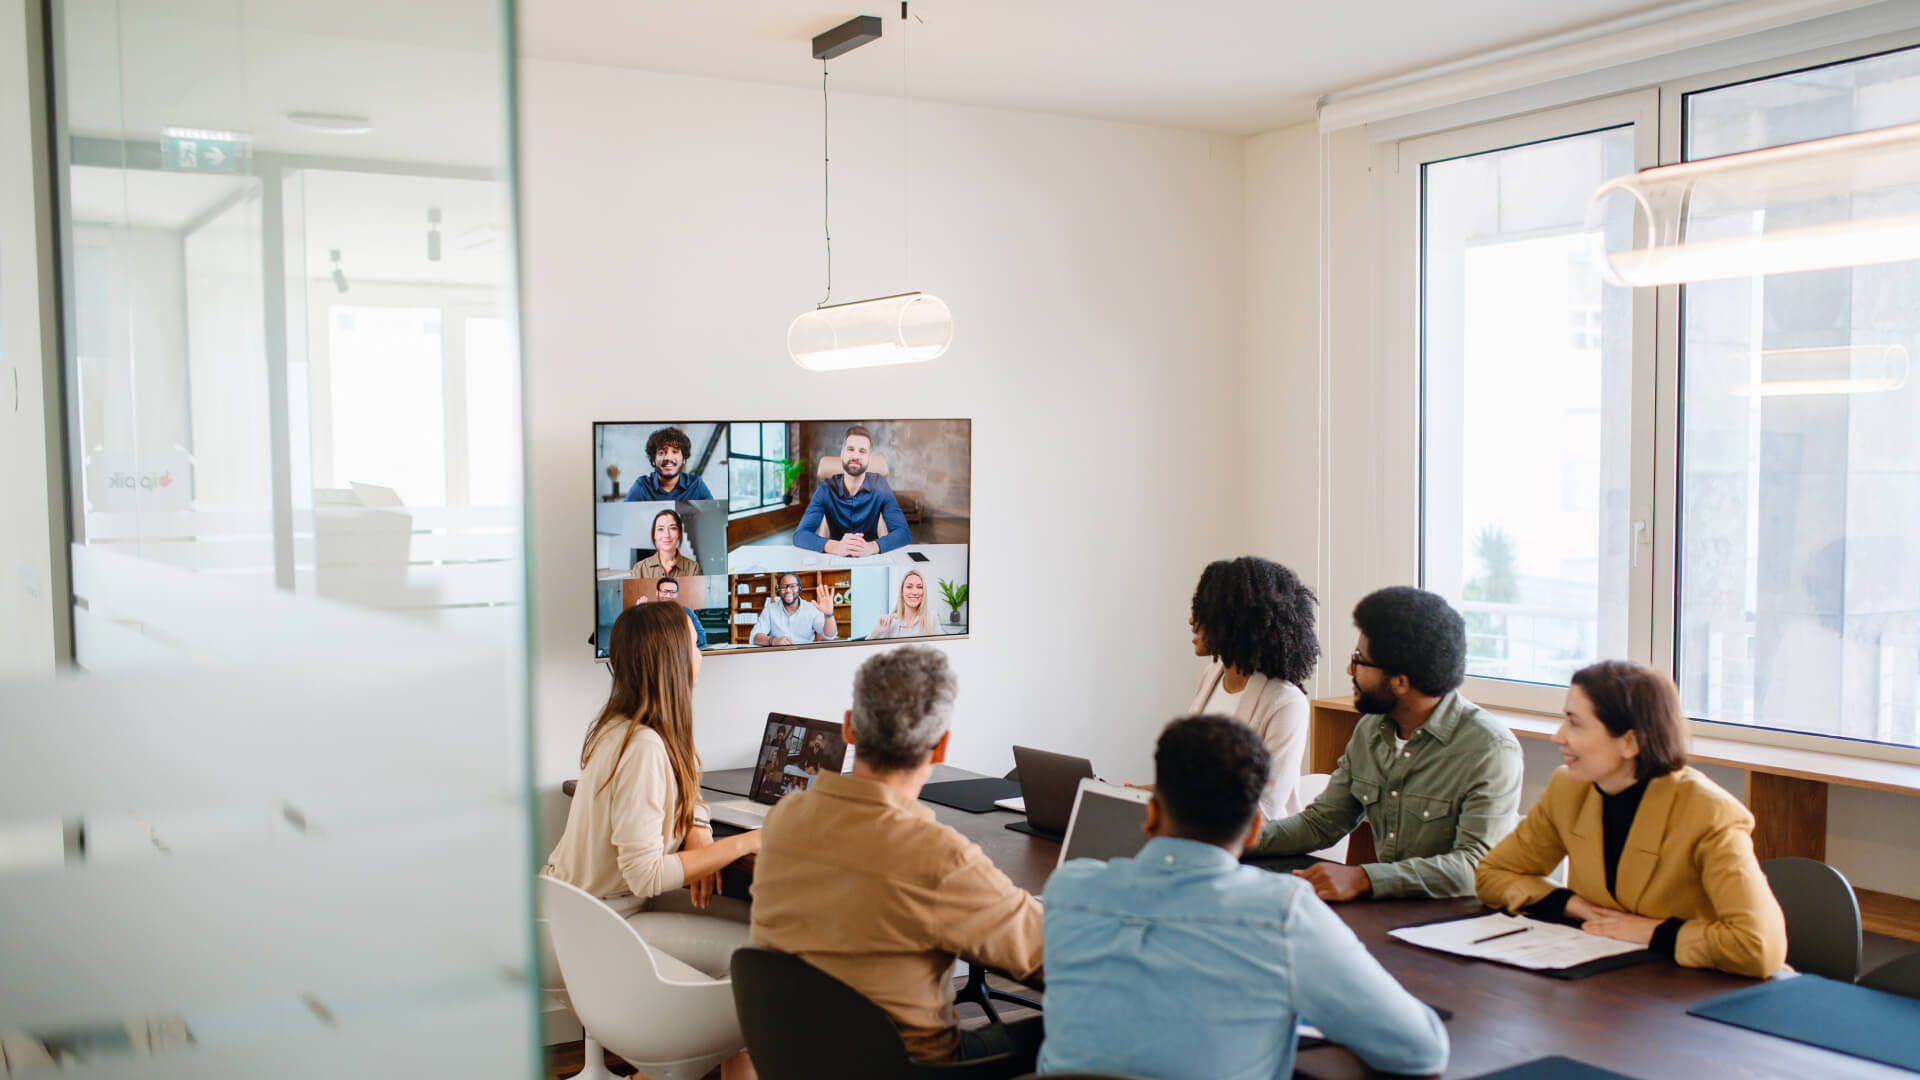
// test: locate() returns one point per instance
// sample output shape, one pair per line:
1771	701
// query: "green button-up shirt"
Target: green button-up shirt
1436	807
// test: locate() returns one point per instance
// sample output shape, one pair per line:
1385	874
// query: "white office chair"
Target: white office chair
1310	787
669	1019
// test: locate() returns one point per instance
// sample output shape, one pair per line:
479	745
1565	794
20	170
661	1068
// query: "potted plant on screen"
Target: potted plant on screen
791	471
956	596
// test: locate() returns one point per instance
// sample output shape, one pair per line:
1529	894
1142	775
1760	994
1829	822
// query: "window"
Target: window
387	401
1527	368
493	406
1775	417
756	460
1798	602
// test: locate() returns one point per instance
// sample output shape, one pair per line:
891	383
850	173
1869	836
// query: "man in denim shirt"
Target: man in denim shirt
1438	779
1182	963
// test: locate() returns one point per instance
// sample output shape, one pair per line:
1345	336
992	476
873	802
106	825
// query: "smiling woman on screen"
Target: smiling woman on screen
669	536
912	615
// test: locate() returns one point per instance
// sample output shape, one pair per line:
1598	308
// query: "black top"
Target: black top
1616	821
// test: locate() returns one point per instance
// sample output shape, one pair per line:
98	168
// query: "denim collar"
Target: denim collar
1175	853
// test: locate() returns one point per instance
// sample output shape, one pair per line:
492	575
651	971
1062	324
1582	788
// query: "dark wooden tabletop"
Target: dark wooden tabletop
1633	1021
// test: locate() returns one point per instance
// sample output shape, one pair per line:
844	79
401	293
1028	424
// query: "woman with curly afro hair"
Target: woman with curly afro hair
1256	620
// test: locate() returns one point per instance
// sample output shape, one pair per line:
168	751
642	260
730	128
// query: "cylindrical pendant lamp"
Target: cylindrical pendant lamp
900	329
1851	200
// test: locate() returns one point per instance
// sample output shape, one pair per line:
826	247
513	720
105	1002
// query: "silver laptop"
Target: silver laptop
793	751
1108	822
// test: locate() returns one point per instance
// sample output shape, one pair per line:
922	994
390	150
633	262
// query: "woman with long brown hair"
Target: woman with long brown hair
637	830
637	825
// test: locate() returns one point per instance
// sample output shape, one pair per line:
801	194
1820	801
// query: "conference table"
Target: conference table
1633	1020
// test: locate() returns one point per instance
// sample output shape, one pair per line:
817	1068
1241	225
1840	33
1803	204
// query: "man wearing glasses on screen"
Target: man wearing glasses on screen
668	449
1433	773
851	506
787	621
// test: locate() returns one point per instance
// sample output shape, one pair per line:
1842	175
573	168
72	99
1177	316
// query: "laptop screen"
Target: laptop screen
1108	822
793	750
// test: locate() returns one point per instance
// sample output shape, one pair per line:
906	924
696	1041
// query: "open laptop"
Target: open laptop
1108	822
793	750
1048	783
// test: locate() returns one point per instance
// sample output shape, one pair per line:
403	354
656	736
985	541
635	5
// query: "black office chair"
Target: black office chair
977	992
1823	918
1900	976
803	1024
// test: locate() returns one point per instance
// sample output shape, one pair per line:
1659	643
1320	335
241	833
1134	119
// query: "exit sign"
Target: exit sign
193	150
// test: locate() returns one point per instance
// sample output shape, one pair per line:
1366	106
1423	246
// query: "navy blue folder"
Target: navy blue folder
1553	1068
1832	1015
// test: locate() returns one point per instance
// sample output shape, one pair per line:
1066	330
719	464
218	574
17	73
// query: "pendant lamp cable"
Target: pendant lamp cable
906	160
826	183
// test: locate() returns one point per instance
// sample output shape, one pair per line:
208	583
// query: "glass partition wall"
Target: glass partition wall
298	729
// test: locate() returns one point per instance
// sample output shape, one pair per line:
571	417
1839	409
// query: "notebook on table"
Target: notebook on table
793	751
1549	948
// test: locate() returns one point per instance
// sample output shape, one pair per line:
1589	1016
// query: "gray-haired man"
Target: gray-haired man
857	878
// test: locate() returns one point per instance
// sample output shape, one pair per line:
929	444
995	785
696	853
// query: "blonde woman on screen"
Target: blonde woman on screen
912	614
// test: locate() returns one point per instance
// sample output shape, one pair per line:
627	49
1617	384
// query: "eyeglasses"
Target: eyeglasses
1356	660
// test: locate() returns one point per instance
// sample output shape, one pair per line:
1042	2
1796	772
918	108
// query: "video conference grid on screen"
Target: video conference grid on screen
785	533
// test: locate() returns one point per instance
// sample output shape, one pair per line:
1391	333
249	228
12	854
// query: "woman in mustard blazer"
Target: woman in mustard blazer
1658	854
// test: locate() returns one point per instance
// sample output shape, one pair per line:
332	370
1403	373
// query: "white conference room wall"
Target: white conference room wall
672	229
1371	512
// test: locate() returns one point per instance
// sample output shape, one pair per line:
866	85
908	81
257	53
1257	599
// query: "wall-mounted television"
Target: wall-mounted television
781	534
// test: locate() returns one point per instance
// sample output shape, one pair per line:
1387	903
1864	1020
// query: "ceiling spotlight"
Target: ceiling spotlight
331	123
339	276
433	235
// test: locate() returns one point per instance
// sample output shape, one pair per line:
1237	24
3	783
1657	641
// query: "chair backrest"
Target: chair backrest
1900	976
610	974
803	1024
1823	917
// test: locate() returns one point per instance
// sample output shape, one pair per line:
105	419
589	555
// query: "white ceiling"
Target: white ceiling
1234	66
430	74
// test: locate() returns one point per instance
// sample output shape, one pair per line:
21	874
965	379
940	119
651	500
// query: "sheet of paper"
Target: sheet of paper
1515	939
1017	804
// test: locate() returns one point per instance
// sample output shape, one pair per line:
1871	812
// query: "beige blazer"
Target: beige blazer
1689	855
620	837
683	566
1276	710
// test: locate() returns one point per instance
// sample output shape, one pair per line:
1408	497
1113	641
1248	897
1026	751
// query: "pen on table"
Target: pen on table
1496	937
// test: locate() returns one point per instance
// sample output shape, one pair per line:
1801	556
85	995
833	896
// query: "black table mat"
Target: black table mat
973	796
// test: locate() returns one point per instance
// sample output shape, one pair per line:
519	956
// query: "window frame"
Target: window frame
1669	451
764	504
1640	110
456	304
1658	115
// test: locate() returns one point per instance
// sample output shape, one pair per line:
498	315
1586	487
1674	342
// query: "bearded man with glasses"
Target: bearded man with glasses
1436	777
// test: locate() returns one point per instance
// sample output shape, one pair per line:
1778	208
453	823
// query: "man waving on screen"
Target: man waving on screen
853	505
